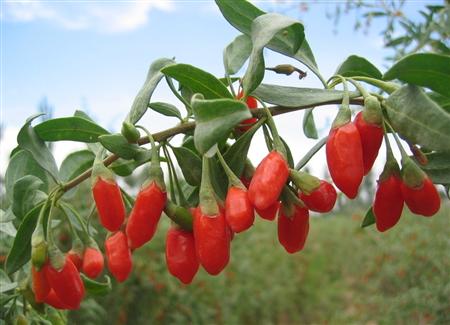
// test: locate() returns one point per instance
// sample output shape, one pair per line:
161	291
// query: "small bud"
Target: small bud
130	132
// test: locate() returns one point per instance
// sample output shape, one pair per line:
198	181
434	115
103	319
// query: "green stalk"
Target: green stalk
181	196
208	203
307	157
233	180
177	94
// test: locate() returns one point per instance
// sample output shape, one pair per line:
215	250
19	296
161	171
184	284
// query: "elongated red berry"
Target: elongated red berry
423	200
251	104
371	139
109	202
181	258
92	262
239	211
293	230
144	217
66	283
118	256
76	259
321	199
268	180
388	204
212	241
270	213
345	158
52	300
40	285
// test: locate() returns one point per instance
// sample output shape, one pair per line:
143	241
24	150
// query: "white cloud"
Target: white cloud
107	16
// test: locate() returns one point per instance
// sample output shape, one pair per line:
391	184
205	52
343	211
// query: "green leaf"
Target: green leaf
190	164
123	167
27	194
290	158
418	119
442	101
94	147
6	226
197	80
299	97
215	120
309	126
358	66
369	218
236	154
142	99
117	144
75	164
236	53
69	129
166	109
227	82
30	141
5	287
20	252
7	216
218	177
424	69
22	164
264	29
438	167
240	14
96	288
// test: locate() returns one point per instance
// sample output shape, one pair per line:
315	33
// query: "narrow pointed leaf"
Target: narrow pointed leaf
28	192
264	29
369	218
309	126
418	119
423	69
215	120
197	80
190	164
69	129
166	109
142	99
236	53
358	66
117	144
75	164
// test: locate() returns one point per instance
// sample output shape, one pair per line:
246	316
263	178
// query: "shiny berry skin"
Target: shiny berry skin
321	199
239	212
270	213
251	104
181	258
292	231
66	283
118	256
52	300
212	241
268	181
144	217
345	158
423	200
76	259
371	139
93	262
109	203
40	285
388	204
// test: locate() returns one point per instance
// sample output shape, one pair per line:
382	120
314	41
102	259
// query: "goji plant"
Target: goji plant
220	190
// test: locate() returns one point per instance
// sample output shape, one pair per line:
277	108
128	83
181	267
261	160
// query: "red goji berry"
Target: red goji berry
76	259
144	217
251	104
268	180
181	257
66	283
371	139
92	262
423	200
118	256
321	199
345	158
293	230
212	241
270	213
109	202
52	300
239	212
40	285
388	204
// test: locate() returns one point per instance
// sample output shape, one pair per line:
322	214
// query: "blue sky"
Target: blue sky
95	55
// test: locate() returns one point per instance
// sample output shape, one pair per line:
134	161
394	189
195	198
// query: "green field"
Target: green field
345	275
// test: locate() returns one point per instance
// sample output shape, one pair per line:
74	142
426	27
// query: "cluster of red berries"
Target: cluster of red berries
351	150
